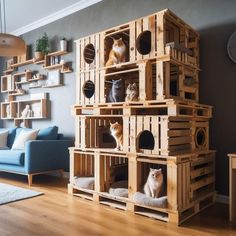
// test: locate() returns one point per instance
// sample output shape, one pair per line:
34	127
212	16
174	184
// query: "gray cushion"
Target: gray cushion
119	189
84	182
142	199
12	157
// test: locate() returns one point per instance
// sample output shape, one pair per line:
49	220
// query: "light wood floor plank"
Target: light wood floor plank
57	213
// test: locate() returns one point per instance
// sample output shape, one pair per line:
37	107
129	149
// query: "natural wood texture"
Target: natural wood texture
232	189
164	127
43	215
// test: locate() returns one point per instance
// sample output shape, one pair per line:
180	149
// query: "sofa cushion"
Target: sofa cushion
23	137
49	133
12	157
3	138
11	136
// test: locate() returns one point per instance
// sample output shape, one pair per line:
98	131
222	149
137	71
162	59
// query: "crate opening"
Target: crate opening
84	171
116	176
174	80
105	139
109	41
89	53
122	87
200	137
145	140
172	32
144	42
88	89
151	174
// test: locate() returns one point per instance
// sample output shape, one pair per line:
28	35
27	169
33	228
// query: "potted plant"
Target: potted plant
42	47
63	44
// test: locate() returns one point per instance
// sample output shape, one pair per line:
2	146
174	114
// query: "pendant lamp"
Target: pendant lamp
10	45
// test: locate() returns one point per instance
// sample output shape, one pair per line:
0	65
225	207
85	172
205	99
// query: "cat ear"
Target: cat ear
116	122
120	39
159	170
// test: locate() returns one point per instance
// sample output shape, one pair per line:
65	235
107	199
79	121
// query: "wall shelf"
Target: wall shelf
27	62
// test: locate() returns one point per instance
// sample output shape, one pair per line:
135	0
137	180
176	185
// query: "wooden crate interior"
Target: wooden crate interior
115	173
124	34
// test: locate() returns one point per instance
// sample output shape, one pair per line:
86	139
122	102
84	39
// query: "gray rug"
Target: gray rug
9	193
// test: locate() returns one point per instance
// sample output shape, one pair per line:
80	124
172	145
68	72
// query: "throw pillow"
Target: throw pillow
49	133
3	139
24	135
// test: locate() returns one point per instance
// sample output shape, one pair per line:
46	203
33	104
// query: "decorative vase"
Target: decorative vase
63	45
38	56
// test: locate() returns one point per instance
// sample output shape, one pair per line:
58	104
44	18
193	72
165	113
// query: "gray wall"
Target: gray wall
214	19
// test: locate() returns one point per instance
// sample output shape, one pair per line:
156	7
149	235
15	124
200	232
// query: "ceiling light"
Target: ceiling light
10	45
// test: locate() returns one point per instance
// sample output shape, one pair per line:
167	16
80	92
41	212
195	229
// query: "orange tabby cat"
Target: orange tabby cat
116	130
117	53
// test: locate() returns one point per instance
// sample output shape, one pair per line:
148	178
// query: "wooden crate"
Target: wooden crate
157	135
155	80
162	35
202	172
89	52
93	132
188	179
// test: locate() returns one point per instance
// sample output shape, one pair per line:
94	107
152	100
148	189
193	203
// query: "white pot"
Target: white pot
63	45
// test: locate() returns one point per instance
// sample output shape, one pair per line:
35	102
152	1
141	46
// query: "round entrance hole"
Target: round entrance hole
89	53
88	89
146	140
200	137
144	42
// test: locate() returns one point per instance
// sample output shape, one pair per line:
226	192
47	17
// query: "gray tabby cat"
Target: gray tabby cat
117	92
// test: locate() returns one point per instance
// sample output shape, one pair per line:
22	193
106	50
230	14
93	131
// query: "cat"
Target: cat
117	91
116	130
131	93
153	186
117	53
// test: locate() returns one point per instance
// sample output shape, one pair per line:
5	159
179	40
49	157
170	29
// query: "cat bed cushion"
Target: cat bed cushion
119	189
143	199
84	182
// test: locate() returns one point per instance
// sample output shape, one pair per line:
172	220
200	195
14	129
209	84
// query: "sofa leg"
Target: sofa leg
30	180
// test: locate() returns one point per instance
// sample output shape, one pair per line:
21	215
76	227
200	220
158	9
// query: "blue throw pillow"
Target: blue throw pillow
11	136
49	133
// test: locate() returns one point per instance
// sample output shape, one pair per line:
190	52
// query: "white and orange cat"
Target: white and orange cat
117	53
132	93
153	186
116	130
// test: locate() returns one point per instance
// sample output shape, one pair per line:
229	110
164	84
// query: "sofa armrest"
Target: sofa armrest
46	155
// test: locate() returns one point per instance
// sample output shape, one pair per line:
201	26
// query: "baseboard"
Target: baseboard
222	198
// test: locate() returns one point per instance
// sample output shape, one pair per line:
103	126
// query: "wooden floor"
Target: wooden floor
57	213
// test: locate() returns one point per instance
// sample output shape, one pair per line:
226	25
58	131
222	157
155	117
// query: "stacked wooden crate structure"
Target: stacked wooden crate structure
166	128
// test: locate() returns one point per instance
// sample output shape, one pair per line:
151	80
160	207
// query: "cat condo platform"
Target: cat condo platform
165	128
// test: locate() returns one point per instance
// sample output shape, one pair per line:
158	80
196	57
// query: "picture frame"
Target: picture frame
53	78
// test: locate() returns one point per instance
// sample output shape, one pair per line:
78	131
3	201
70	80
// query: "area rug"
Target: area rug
9	193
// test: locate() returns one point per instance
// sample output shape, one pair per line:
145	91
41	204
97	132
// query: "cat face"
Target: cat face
118	42
117	83
132	87
116	127
155	173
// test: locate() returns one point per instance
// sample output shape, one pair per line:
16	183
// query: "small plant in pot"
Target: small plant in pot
42	47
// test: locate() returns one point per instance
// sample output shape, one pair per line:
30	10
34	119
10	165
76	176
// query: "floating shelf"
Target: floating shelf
57	53
22	63
52	67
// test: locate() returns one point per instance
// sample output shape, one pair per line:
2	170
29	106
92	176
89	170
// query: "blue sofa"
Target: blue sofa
48	153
